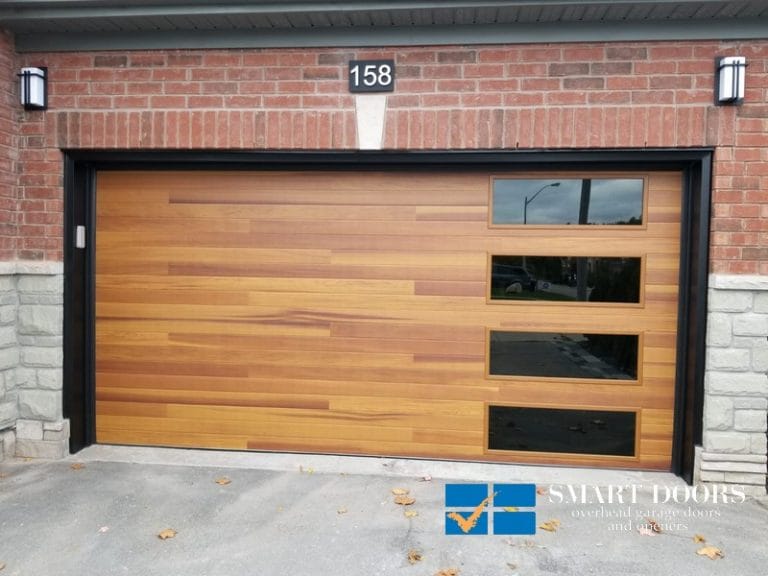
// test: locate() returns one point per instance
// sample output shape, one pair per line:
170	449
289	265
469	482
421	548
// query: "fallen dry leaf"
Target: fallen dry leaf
653	525
448	572
411	513
541	491
342	511
167	533
400	491
404	500
699	539
2	566
511	566
77	466
550	525
414	556
308	470
710	552
511	508
646	530
223	481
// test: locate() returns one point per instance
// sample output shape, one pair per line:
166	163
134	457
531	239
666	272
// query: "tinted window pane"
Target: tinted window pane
557	355
565	278
596	201
560	430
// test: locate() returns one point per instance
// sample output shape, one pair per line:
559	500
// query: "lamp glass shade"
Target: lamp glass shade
731	78
32	91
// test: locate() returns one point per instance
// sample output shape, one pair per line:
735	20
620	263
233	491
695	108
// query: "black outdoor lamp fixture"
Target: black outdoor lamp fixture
729	79
531	199
34	88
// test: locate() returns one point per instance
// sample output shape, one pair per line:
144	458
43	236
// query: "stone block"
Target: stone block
41	299
760	303
8	314
40	404
26	377
759	444
718	413
40	320
50	449
42	357
760	355
750	325
719	330
8	442
736	359
751	458
7	283
7	336
8	414
750	403
40	341
728	442
745	478
750	420
9	358
56	430
737	384
748	467
711	476
50	378
41	283
729	301
29	429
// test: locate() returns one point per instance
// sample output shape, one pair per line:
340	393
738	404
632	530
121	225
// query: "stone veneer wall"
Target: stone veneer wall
736	382
31	356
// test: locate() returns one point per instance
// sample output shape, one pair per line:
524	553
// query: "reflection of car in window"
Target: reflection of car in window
511	278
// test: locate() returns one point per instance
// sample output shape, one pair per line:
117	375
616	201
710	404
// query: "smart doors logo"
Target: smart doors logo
474	501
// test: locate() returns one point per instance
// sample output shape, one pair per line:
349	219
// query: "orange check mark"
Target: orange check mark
466	524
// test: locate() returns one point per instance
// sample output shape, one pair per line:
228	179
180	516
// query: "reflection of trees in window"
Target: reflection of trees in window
578	278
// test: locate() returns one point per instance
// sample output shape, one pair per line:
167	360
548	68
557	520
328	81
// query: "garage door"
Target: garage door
461	315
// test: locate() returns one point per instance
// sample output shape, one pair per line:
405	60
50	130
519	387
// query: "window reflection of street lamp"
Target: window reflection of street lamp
531	199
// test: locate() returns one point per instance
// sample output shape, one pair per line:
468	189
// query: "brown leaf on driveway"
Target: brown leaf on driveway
404	500
699	539
710	552
400	491
414	556
653	525
2	566
646	530
167	533
541	490
342	511
550	525
448	572
411	513
223	481
77	466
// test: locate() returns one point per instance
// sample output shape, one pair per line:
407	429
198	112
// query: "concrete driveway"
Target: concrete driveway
100	512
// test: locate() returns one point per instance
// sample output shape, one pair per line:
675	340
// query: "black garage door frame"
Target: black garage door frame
80	167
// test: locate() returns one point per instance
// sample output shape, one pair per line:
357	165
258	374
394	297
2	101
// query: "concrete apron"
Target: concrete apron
100	512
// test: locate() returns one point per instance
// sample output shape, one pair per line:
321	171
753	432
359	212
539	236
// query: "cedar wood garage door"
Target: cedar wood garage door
351	312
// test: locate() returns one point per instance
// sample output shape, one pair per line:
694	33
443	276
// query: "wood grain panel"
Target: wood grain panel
347	313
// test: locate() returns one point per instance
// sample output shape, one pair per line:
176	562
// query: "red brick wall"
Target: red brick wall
541	96
8	149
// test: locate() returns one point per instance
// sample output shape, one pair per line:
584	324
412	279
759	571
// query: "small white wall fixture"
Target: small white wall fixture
730	79
34	88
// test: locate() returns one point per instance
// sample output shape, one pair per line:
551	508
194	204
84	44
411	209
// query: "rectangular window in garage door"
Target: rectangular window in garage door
578	349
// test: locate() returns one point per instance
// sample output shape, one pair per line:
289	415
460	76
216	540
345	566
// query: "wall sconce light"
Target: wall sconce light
729	79
34	88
